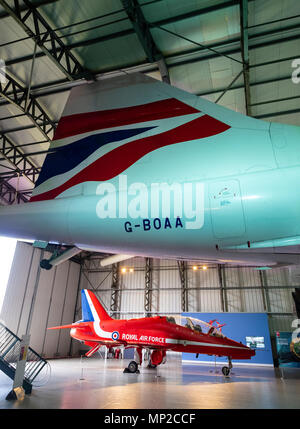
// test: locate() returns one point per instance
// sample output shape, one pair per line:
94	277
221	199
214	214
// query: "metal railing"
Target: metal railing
10	352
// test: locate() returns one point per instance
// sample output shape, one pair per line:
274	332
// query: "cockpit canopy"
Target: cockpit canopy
196	325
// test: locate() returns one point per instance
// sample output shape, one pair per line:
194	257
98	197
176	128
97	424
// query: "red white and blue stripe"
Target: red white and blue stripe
100	145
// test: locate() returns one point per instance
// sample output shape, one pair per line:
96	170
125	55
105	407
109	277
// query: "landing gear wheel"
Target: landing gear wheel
132	368
226	371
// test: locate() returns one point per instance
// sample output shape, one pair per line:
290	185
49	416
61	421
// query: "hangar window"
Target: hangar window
7	251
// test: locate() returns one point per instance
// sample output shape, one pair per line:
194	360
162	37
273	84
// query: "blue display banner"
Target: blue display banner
251	329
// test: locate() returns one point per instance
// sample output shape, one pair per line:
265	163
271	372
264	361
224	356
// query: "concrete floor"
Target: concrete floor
94	383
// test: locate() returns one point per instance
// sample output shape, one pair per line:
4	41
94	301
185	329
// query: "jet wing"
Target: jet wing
112	259
253	257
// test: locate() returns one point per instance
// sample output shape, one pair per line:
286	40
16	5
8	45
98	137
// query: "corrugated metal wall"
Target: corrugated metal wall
216	289
36	299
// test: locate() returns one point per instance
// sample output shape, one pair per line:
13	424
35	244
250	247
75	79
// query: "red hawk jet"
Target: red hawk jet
157	334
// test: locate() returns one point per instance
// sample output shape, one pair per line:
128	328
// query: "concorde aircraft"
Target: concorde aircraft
138	167
155	334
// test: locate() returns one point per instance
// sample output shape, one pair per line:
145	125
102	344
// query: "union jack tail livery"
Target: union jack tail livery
108	126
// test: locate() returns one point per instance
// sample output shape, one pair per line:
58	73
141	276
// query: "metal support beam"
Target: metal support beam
228	87
281	113
43	34
182	267
57	87
264	82
115	301
30	79
229	47
245	52
276	100
264	291
148	287
22	165
8	175
24	8
167	21
222	283
221	288
20	96
9	195
142	30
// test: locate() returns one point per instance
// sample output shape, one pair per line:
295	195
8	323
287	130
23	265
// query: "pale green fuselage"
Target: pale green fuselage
247	181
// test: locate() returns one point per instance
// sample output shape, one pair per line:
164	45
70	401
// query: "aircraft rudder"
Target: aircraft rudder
92	308
87	314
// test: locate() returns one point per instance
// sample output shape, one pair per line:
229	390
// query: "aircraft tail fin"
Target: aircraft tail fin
92	309
109	125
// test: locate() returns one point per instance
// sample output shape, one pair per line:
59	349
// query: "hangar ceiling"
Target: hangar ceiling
237	53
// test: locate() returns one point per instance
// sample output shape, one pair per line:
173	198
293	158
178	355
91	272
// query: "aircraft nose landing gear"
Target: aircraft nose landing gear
227	369
132	368
134	364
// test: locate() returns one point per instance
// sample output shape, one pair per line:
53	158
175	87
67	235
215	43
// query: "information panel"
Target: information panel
288	349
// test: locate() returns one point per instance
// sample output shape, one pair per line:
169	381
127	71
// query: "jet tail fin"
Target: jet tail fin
92	311
110	125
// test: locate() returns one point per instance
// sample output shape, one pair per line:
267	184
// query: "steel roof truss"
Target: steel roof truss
10	195
245	52
142	30
19	96
18	160
42	33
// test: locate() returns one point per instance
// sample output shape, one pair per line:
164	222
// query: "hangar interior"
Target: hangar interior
148	287
237	53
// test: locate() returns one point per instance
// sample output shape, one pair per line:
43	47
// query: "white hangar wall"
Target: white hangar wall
36	299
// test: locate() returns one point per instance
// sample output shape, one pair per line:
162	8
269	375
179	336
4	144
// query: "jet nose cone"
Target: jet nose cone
247	350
